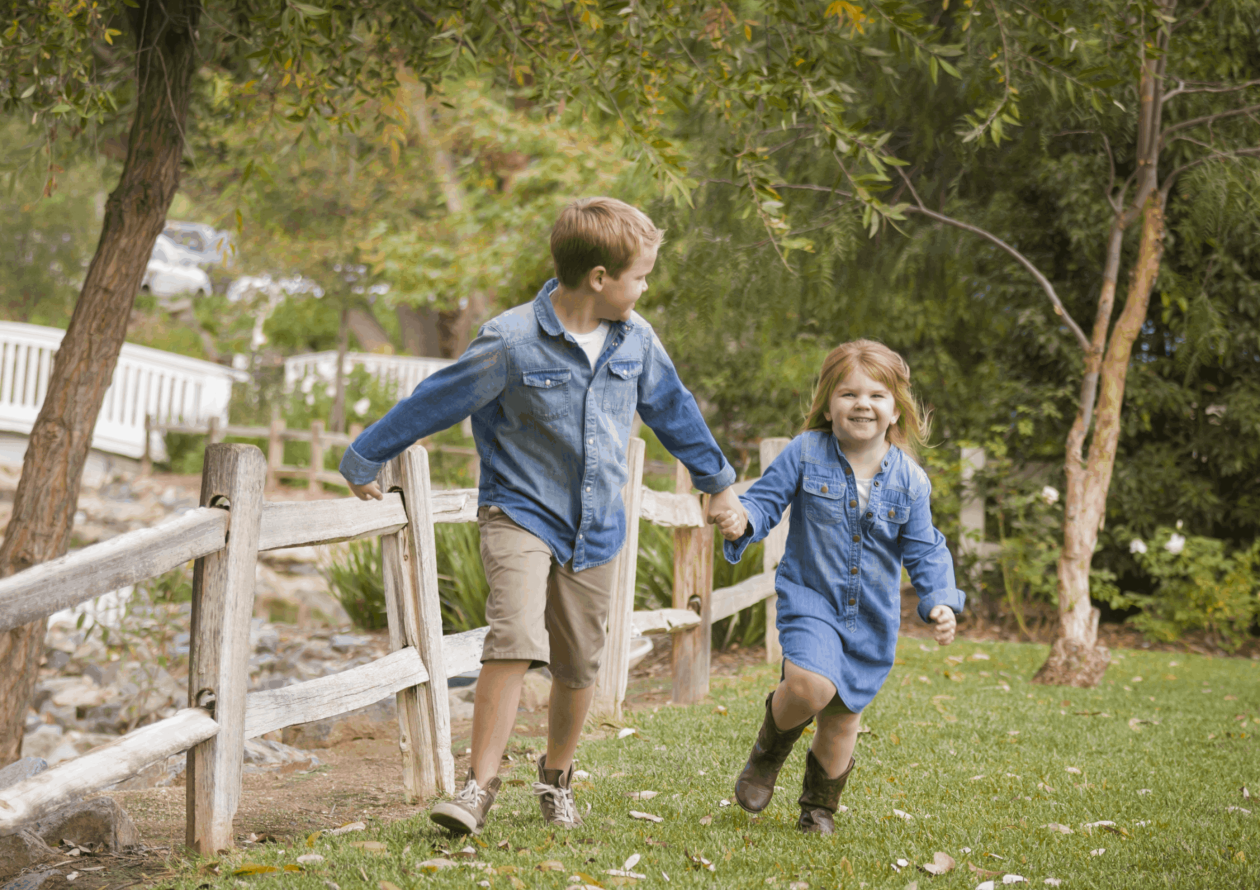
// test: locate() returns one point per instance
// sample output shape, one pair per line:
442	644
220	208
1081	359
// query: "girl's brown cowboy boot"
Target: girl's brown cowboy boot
755	785
820	797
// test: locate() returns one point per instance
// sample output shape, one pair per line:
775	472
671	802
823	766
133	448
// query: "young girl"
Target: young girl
860	512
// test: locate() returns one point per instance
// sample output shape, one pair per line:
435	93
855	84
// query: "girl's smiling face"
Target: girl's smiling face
861	411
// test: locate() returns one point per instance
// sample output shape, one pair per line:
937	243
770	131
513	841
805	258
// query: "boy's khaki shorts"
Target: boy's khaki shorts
538	609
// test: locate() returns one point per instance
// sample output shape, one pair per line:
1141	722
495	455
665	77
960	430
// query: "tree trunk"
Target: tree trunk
1075	659
44	505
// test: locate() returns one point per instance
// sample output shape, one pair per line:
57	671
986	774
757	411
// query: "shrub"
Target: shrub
358	584
1197	586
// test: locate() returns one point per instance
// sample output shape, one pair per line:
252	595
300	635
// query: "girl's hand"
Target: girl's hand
731	523
364	492
946	624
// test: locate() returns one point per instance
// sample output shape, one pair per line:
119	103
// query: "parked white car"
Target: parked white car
173	270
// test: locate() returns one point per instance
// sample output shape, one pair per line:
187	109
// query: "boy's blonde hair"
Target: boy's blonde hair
604	232
877	361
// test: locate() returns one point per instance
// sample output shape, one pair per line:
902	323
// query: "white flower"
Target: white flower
1137	545
1179	524
1050	494
361	407
1176	543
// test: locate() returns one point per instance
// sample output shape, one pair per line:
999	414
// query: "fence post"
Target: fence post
317	456
218	659
772	552
146	461
214	435
693	586
614	671
275	446
412	720
422	621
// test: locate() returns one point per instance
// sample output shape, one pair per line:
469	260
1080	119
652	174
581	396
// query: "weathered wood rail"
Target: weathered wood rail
225	535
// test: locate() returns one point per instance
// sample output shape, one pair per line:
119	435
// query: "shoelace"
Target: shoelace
472	794
561	799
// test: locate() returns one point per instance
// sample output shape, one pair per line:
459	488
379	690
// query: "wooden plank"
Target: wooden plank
462	651
749	592
664	621
332	695
672	510
303	523
397	583
101	767
772	552
693	585
614	668
123	560
218	660
455	505
423	615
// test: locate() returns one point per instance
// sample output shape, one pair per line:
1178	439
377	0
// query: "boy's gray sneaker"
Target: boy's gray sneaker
555	796
466	812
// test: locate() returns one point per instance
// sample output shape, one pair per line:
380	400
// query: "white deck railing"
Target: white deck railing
404	371
171	388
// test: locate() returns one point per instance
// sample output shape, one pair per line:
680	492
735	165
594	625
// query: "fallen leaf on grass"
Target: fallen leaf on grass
635	814
641	795
986	885
706	820
625	873
903	815
253	868
982	872
1053	882
466	853
941	864
1144	791
1014	879
1042	786
900	864
846	866
435	865
700	862
1073	770
581	774
1098	852
375	847
388	885
798	885
347	828
1062	829
310	857
1245	793
551	865
503	844
1243	810
720	709
627	732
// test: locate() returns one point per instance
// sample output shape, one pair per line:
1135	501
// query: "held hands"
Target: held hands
946	624
728	513
366	492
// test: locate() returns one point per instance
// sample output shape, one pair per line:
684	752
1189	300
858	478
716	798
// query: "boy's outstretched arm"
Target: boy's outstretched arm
440	401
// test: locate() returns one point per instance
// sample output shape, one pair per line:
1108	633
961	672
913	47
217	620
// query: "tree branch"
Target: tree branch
1206	119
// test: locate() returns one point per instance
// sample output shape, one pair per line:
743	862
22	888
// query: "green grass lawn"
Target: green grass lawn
963	756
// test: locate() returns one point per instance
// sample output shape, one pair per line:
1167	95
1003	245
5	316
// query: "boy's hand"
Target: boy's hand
731	525
946	624
364	492
725	501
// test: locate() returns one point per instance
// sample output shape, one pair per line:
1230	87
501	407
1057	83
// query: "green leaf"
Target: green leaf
307	9
61	108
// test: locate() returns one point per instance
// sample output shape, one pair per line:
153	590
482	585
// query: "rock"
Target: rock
376	721
28	881
262	636
264	755
22	850
102	674
21	770
90	823
42	741
347	642
461	701
535	691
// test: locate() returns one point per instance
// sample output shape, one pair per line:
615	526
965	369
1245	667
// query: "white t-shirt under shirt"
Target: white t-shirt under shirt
593	344
864	491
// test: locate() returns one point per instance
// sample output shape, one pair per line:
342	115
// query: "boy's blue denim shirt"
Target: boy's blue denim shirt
552	433
842	566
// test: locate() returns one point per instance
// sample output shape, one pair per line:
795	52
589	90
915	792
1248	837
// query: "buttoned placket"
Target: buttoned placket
589	429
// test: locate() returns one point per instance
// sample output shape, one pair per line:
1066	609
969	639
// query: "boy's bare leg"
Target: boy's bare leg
566	714
835	740
494	714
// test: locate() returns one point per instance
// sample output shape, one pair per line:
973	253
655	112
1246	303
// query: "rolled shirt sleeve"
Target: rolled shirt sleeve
927	559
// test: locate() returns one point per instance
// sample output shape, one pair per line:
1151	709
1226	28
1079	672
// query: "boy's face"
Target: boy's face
615	297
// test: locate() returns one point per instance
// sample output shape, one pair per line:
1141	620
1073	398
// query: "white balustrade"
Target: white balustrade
404	371
172	388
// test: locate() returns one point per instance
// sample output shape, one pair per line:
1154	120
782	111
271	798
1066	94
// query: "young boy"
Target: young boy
552	387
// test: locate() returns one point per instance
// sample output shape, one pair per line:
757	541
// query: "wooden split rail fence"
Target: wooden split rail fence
225	535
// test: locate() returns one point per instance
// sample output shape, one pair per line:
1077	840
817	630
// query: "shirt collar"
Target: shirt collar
546	313
884	465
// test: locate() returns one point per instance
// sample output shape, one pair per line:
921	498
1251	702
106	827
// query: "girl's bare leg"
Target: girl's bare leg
800	695
835	739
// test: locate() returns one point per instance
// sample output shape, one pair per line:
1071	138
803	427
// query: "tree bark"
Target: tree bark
44	505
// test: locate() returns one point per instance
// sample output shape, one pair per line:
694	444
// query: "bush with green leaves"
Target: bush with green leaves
1199	585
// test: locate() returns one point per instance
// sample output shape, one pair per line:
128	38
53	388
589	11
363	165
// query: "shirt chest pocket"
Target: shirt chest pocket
894	513
545	392
824	499
622	392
